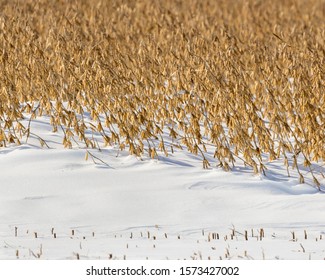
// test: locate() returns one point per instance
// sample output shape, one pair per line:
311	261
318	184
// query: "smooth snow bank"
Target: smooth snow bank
41	189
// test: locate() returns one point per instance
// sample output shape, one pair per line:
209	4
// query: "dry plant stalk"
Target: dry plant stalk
244	77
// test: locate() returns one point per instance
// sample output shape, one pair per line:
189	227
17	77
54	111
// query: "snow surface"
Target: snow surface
164	208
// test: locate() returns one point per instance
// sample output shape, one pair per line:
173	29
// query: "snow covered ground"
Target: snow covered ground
56	205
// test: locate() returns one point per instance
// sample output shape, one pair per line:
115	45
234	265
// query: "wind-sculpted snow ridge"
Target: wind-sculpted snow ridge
43	189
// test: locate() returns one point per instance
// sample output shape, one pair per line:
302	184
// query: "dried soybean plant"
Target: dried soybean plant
244	78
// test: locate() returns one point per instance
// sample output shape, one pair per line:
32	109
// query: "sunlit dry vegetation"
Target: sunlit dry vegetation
245	78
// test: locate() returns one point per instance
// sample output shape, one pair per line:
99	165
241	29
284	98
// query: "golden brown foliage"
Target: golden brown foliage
246	77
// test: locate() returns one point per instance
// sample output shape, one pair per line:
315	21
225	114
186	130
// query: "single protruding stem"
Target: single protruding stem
261	233
303	249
